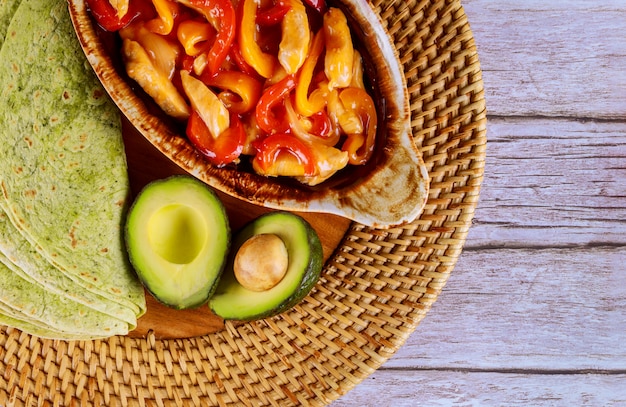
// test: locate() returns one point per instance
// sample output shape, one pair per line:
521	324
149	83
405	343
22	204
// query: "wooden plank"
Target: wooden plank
552	183
526	309
459	388
515	327
551	58
535	311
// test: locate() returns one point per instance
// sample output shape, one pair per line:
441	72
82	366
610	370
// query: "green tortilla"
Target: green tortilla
40	331
7	10
29	265
38	306
63	183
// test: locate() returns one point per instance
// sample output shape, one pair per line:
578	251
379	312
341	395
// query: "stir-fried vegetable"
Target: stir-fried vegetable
276	81
261	61
113	15
281	153
271	100
167	11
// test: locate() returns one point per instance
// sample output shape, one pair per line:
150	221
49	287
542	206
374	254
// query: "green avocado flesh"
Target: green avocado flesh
232	301
177	238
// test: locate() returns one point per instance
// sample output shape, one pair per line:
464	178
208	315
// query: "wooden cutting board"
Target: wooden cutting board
146	164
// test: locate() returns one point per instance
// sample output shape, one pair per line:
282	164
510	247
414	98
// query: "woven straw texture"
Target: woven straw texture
375	289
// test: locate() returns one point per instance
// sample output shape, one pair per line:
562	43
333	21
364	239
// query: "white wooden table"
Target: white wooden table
535	311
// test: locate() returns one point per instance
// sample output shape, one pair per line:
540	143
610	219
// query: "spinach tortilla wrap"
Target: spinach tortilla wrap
63	172
7	10
31	303
19	256
37	330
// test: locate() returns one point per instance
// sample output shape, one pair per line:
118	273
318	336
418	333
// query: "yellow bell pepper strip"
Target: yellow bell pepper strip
282	154
262	62
221	14
307	104
240	92
209	107
360	146
167	11
339	57
221	150
154	81
270	100
195	36
295	39
108	17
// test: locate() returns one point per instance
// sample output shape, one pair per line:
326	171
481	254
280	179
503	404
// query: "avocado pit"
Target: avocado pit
280	239
261	262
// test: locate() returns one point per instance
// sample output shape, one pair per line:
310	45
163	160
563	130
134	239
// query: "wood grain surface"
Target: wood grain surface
535	311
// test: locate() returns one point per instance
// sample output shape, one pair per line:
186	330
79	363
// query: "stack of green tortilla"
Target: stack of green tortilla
63	184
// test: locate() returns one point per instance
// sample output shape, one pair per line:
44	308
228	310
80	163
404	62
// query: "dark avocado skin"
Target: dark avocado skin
309	275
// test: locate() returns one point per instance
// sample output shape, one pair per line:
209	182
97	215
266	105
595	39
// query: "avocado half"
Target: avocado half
177	237
233	301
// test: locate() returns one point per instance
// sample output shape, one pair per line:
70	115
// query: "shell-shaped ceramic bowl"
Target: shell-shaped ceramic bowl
388	191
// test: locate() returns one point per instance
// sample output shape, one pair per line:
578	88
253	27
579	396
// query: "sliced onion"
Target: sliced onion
299	131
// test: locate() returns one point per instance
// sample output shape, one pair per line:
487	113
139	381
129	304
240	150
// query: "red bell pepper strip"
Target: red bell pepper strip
106	15
221	150
318	5
272	146
272	98
272	15
308	104
186	63
222	14
320	124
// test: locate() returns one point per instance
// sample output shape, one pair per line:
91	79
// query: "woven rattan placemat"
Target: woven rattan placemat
374	291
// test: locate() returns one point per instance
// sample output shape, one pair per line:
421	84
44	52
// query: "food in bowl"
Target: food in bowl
278	83
389	188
